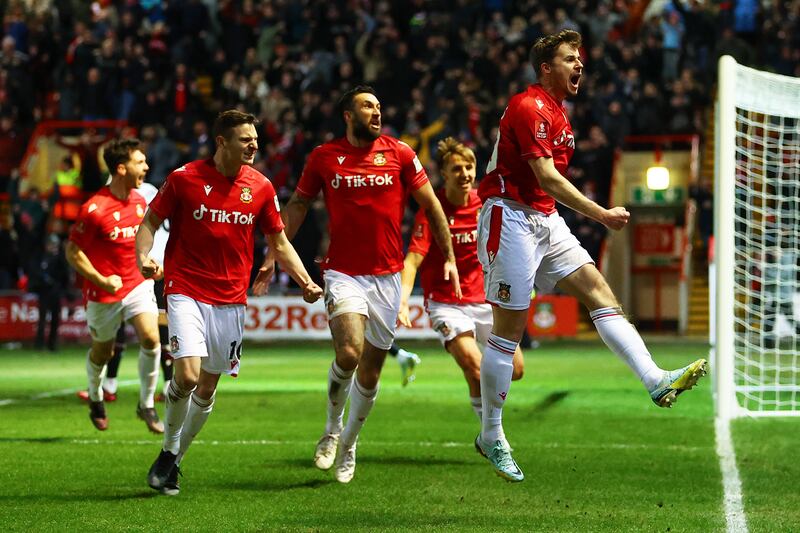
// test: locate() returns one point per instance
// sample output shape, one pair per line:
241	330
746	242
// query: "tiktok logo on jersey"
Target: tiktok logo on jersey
565	137
128	232
370	180
221	216
466	237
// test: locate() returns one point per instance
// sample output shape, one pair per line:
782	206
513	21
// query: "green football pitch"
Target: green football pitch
597	454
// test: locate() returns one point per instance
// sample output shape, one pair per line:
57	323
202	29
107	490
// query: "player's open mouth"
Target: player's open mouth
575	80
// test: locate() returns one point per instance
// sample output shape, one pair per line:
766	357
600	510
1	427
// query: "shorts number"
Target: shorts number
236	351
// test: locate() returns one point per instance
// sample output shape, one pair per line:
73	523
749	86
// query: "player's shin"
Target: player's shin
623	339
95	374
177	406
339	383
361	402
148	375
199	409
496	370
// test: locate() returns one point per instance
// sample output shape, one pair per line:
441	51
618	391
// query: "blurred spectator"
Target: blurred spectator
49	279
12	148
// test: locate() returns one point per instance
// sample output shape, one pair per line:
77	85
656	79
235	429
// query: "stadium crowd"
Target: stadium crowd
441	68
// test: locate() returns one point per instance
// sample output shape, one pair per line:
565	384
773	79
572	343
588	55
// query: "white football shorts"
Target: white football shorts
104	319
451	320
376	297
521	248
212	332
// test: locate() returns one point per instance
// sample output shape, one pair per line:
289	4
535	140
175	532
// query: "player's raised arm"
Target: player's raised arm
290	262
144	243
427	201
560	188
83	266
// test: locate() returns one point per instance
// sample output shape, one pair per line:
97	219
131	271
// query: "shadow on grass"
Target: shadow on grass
82	497
34	440
272	485
549	401
373	459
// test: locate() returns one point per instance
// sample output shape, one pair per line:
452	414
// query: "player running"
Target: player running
101	248
463	324
214	207
365	178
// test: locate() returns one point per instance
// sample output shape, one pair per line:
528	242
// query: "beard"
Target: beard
361	131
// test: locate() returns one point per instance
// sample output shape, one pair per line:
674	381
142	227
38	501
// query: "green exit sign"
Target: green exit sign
644	196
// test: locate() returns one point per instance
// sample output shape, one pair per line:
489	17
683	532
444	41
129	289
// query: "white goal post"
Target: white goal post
755	346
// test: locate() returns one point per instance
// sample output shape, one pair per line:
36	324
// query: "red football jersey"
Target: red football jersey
212	218
533	125
365	193
463	222
106	232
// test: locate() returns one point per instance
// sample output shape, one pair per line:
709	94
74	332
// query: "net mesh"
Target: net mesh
767	243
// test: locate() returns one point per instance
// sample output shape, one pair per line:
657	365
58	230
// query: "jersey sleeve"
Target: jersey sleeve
310	181
420	235
163	205
270	218
412	172
531	127
84	231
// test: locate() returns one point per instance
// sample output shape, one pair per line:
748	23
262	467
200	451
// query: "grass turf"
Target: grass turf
597	454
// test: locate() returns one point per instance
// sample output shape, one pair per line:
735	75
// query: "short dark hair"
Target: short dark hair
544	49
346	101
227	120
118	152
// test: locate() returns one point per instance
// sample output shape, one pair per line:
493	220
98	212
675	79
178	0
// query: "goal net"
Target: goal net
755	341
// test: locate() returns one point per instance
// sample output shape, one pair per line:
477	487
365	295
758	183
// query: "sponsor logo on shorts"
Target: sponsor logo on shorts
330	306
246	195
443	328
504	292
174	345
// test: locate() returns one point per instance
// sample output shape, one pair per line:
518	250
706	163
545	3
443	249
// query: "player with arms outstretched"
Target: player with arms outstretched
214	207
523	242
463	324
365	178
101	248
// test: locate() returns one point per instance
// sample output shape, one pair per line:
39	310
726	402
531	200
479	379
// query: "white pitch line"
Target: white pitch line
424	444
56	393
735	519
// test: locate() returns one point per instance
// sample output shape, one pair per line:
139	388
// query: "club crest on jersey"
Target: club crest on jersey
246	196
451	220
139	211
116	216
379	159
504	292
174	345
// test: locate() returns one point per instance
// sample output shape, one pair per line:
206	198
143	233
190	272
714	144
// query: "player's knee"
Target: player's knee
347	356
150	342
187	382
